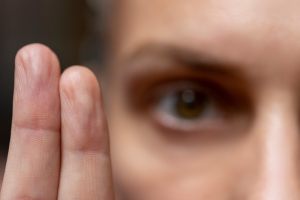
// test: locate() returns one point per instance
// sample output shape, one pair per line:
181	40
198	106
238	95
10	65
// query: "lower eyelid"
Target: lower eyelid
168	123
216	122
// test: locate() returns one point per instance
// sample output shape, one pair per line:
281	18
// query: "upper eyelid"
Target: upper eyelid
151	74
160	90
215	93
175	86
225	100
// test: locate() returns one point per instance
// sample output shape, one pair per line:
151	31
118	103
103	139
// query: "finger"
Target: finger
32	169
86	169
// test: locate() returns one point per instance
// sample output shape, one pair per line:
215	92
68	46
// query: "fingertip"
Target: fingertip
79	73
35	48
79	80
37	59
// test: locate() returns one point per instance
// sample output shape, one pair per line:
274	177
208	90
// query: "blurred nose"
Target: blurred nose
278	142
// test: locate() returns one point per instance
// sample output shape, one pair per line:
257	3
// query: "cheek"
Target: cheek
147	166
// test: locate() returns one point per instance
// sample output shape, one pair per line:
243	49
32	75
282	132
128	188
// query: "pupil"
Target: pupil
188	97
191	104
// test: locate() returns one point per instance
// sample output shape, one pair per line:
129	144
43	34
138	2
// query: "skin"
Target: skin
244	55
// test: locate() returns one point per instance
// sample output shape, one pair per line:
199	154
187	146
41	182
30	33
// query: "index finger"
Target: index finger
32	169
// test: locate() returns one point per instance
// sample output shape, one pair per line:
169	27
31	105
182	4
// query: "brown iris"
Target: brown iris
191	104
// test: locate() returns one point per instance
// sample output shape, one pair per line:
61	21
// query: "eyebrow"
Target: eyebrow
182	56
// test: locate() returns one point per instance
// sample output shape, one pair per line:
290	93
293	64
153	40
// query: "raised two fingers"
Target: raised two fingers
45	162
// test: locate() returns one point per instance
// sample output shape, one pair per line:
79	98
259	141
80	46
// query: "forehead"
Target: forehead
231	29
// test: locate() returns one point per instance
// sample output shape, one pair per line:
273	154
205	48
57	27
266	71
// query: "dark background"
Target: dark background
70	27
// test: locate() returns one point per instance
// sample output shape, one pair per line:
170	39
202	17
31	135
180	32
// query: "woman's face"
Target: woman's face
204	100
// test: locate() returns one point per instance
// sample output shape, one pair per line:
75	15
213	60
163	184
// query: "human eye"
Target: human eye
193	106
182	103
187	105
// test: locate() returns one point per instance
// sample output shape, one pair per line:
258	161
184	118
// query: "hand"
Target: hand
59	145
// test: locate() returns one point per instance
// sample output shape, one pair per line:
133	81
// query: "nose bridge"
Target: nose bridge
278	141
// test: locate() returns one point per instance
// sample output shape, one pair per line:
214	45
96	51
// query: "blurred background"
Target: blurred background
72	28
